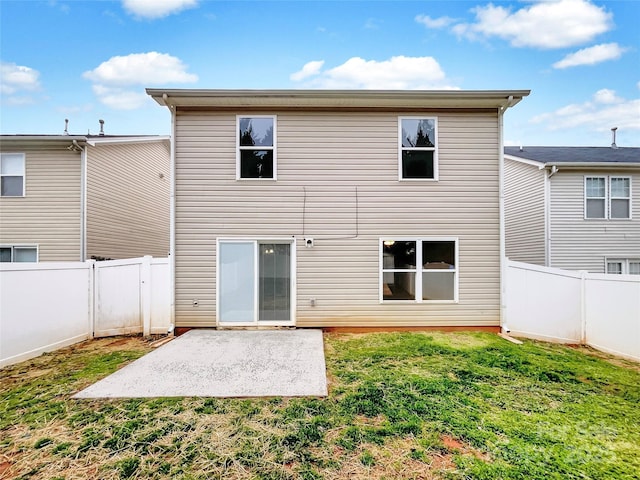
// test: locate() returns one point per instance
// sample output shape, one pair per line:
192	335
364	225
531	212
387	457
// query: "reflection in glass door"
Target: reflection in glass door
275	282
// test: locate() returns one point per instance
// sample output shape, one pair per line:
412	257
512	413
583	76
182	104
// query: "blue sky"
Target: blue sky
91	60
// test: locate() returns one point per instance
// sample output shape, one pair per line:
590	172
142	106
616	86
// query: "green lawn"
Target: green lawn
401	405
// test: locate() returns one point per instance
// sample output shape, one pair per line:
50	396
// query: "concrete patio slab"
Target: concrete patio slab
223	363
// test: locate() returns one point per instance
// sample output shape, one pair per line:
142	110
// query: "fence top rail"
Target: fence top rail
550	270
604	277
43	266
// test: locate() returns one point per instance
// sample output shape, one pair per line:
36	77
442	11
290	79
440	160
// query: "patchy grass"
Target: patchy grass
401	405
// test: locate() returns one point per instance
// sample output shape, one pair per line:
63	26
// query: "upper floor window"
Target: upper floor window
10	253
607	197
12	175
256	147
418	148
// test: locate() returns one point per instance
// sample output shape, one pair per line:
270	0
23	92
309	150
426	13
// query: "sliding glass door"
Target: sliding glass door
254	282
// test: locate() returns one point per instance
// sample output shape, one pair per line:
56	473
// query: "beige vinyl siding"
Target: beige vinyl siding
49	214
334	168
579	244
524	199
127	200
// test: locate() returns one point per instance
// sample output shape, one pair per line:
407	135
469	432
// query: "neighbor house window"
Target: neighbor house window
12	175
607	197
418	157
256	154
620	198
628	266
419	270
11	253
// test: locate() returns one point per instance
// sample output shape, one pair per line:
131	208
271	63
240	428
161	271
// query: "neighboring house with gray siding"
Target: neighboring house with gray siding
76	197
323	208
576	208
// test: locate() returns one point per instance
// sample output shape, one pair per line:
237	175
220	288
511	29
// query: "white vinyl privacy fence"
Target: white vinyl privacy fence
550	304
45	306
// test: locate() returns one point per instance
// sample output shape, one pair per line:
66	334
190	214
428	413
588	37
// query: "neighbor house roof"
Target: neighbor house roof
578	156
80	139
337	99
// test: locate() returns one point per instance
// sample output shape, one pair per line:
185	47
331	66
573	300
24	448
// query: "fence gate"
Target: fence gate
118	297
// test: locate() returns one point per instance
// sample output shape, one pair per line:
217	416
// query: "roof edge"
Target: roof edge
338	99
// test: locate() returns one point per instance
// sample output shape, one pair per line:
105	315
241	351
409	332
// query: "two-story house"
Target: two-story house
574	207
76	197
326	208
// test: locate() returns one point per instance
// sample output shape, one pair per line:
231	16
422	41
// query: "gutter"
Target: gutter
503	249
588	165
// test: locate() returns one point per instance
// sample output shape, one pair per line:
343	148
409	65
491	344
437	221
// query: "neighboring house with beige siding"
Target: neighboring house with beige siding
76	197
576	208
336	208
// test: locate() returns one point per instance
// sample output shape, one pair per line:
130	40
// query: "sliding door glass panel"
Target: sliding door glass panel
237	282
274	282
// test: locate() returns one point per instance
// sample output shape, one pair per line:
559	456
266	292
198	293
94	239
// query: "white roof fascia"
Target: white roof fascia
161	138
534	163
337	99
598	165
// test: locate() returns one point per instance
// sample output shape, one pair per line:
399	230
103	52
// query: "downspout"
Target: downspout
503	251
172	220
547	215
83	202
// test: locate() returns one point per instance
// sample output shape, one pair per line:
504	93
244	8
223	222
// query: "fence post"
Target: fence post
583	307
91	264
145	294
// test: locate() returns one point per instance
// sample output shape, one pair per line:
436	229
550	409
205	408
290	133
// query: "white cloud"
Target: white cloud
544	24
591	56
429	22
308	70
152	9
606	96
17	78
141	68
113	80
603	111
401	73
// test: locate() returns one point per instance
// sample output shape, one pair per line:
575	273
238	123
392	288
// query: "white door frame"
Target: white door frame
256	242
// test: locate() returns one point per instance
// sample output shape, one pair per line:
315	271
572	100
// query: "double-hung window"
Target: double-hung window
18	253
418	152
256	147
419	270
628	266
12	175
607	197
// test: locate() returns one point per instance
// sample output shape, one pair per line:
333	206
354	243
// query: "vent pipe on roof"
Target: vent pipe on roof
613	139
66	126
101	127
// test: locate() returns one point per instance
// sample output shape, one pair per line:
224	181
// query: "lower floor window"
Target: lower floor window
18	253
419	270
629	266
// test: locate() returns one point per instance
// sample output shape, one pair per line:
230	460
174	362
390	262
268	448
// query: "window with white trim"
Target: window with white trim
418	151
627	266
256	147
18	253
419	270
12	175
620	197
607	197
